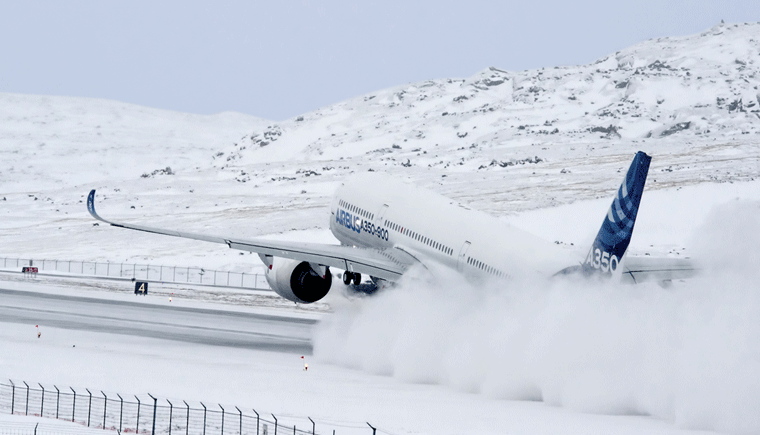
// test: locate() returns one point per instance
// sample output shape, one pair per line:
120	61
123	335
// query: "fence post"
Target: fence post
73	404
69	266
171	411
137	428
57	400
13	395
373	429
26	411
313	426
241	421
204	418
89	405
257	421
187	422
214	277
161	273
188	274
121	409
105	406
155	402
108	272
174	274
275	424
220	405
134	270
228	284
242	279
42	403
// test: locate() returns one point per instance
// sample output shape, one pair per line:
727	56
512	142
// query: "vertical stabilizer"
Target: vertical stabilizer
615	234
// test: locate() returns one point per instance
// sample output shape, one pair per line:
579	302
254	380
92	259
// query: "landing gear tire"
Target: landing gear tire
347	277
357	278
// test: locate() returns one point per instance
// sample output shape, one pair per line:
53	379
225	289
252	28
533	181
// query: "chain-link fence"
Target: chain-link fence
145	415
147	272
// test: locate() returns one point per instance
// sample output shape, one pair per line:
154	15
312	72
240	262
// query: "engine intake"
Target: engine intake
297	281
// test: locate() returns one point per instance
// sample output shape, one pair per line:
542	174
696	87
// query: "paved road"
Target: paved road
194	325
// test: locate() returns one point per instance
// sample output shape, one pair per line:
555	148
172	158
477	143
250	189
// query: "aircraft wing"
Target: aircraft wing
387	264
642	269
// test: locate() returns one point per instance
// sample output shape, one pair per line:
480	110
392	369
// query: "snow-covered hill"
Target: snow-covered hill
691	101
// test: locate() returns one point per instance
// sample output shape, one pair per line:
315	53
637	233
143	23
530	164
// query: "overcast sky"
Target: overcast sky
279	59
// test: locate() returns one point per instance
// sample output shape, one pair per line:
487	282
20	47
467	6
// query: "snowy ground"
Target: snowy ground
529	357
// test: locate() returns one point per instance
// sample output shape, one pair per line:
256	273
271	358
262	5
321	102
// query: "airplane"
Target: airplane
386	226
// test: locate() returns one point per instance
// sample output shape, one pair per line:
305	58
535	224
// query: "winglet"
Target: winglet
615	234
91	206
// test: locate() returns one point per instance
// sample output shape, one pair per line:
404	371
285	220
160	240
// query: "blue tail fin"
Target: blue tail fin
617	228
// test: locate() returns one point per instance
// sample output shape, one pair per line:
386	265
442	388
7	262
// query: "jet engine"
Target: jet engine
298	281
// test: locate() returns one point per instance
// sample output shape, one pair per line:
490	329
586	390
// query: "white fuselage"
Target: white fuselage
378	211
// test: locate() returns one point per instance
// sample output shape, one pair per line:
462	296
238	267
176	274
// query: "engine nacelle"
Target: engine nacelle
297	281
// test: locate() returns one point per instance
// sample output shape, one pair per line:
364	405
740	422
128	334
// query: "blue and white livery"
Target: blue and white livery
400	225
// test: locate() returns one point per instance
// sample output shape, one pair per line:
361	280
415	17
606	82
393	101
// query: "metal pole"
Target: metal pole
214	277
275	424
108	268
220	405
137	429
313	426
42	404
161	273
373	429
105	405
155	405
257	421
204	418
13	395
121	410
26	412
73	405
171	411
89	407
174	274
35	428
188	274
228	283
187	423
294	429
241	421
57	400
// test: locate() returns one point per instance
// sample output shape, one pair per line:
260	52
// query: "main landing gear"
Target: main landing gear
351	276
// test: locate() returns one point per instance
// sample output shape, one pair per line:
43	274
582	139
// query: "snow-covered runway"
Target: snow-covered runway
165	321
170	355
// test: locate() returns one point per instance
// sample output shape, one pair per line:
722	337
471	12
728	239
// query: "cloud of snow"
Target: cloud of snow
689	353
